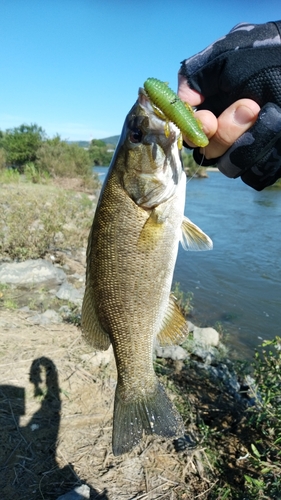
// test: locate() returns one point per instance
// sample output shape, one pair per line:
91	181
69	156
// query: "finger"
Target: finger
232	123
187	94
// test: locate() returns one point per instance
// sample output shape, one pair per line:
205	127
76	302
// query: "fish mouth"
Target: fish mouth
150	108
143	97
158	121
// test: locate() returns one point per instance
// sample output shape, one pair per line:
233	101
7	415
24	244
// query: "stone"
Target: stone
30	272
70	293
206	336
190	326
174	352
59	237
49	316
207	354
80	493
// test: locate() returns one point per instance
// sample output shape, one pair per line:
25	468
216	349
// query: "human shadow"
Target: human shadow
28	466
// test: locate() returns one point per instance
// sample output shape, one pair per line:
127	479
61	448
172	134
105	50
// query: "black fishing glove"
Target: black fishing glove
246	63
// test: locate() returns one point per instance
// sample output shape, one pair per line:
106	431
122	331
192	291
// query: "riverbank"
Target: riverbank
60	394
57	395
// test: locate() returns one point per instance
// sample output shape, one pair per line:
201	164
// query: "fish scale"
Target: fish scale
131	255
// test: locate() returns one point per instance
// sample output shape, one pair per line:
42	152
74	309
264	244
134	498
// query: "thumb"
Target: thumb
232	123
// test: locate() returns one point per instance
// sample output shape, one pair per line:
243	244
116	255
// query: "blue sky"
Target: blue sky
74	66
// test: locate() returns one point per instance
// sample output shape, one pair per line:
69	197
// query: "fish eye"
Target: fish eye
135	135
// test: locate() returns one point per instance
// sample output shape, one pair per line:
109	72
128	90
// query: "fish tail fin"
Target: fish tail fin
149	414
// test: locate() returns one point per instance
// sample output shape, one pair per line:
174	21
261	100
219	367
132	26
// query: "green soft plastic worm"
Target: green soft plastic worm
175	110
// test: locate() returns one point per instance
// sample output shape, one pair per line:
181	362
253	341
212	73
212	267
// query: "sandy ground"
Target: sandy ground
56	423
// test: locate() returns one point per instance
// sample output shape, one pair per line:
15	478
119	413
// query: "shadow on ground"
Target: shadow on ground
28	466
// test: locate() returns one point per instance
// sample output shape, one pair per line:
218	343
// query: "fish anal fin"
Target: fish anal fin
149	414
193	238
175	328
92	330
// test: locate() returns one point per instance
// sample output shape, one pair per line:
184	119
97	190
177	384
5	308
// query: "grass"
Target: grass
184	300
265	418
241	443
262	459
36	219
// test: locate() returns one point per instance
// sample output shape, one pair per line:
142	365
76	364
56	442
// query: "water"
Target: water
238	283
101	171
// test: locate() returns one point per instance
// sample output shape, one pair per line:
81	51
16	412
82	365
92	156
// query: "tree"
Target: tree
21	144
99	152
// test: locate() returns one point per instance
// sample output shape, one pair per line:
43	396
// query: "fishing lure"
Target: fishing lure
175	110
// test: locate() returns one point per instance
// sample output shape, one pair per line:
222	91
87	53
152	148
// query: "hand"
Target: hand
235	86
224	130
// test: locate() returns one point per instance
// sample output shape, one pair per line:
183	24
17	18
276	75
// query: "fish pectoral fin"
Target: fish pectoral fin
152	230
152	413
92	330
175	327
193	238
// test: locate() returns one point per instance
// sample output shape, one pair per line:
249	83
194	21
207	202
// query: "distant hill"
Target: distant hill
111	140
82	144
108	140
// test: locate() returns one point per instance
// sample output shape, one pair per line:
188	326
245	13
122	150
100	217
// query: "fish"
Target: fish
131	254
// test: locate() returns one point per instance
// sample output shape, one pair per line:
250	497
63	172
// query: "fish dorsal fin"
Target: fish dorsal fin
175	327
92	330
193	237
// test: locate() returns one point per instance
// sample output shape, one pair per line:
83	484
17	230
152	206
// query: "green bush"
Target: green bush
33	174
9	176
21	144
58	158
3	159
100	153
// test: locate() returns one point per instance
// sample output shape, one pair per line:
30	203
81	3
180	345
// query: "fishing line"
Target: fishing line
202	159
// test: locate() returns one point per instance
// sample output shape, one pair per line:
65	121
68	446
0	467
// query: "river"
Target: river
238	283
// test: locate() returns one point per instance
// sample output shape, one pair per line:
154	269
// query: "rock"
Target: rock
99	358
24	309
59	237
207	354
174	352
190	326
64	310
30	272
229	379
70	293
46	318
79	493
78	277
206	336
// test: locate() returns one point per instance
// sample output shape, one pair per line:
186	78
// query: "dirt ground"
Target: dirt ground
57	416
56	399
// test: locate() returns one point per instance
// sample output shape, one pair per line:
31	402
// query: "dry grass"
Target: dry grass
39	218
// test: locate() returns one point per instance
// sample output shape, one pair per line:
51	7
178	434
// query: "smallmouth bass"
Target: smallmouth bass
131	255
